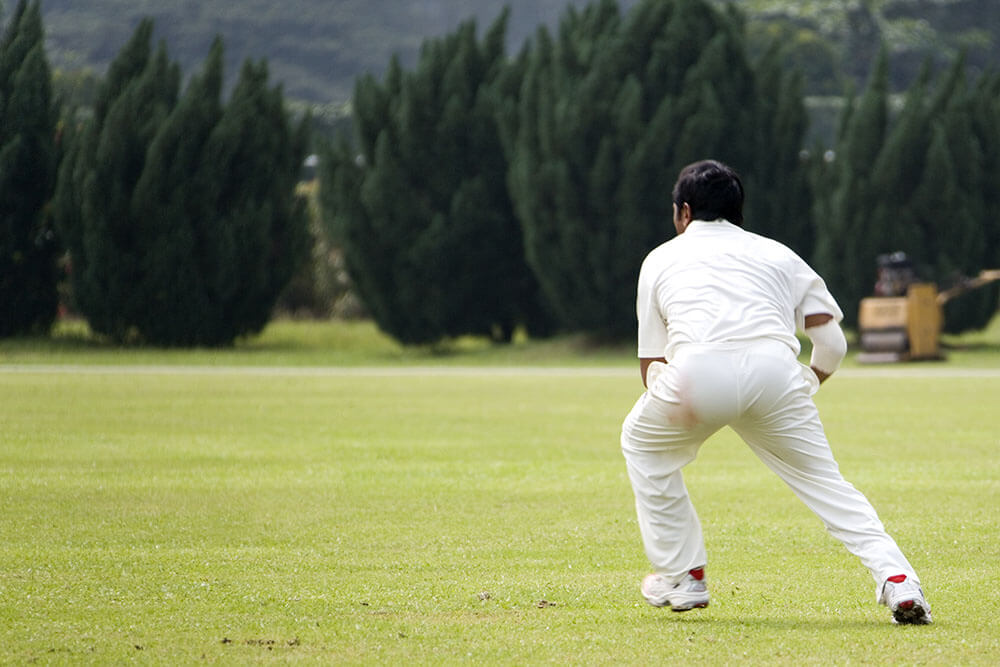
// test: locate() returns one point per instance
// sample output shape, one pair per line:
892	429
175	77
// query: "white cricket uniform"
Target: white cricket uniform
722	306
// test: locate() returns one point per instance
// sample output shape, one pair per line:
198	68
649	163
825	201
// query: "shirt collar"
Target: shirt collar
708	225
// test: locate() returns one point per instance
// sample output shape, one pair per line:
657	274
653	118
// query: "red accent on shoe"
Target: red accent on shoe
908	604
698	573
898	579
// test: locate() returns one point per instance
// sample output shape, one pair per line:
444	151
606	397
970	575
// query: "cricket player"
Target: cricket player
718	309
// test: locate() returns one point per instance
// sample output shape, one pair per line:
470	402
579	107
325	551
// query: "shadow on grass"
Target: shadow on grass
770	623
66	340
971	346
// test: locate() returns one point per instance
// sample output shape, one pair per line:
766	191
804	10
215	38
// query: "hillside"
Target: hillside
317	48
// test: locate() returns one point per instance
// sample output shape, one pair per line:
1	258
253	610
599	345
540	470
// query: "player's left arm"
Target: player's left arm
653	335
829	347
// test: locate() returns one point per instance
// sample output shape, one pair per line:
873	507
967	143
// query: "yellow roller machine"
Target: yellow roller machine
903	321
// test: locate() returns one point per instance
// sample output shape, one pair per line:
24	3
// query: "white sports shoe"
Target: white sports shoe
905	600
689	593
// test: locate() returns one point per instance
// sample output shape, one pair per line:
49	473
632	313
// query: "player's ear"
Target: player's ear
682	217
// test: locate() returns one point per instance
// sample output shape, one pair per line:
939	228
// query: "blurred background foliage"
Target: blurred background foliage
455	172
317	48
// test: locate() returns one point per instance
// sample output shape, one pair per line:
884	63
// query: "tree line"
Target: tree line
480	192
922	180
472	166
172	213
317	51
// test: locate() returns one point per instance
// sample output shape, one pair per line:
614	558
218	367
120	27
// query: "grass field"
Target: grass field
320	495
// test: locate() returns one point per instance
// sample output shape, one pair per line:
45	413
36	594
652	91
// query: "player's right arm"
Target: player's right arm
818	316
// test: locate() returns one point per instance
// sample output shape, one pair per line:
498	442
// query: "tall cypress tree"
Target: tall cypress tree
986	125
259	234
28	246
420	206
922	187
898	171
961	250
93	205
171	213
610	109
780	202
985	118
845	253
943	198
959	198
181	230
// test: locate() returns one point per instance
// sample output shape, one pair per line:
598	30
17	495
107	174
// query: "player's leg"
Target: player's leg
784	430
781	424
655	452
805	464
660	436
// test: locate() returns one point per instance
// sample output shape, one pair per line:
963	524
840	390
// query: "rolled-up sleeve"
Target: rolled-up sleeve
813	297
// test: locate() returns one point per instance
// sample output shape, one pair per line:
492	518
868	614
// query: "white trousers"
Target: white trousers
764	394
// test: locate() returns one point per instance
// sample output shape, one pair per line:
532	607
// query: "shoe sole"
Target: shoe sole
689	607
680	606
677	600
910	612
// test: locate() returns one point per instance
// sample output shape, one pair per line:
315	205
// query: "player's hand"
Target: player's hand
654	371
820	375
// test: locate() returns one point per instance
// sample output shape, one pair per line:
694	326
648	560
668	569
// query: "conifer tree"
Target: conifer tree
179	211
172	216
420	205
845	252
954	238
28	247
93	204
781	200
960	244
259	236
898	171
985	118
611	108
924	188
962	249
986	122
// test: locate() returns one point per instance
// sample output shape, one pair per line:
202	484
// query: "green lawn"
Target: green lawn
311	343
359	343
289	499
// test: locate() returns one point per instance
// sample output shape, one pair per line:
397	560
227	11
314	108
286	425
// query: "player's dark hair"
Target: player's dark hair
712	190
